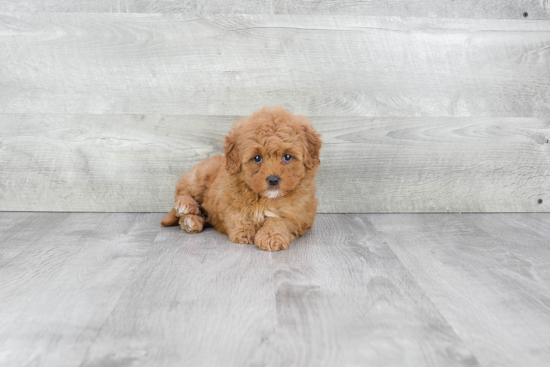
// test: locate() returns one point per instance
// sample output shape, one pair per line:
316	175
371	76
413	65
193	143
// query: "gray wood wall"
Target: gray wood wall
430	106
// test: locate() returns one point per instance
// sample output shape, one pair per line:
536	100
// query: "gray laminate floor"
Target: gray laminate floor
358	290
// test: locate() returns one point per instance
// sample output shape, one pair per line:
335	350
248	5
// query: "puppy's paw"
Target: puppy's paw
191	223
243	236
271	241
186	205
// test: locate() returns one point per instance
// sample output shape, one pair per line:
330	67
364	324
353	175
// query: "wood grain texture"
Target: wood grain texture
232	64
487	274
198	299
206	301
386	290
344	299
131	163
443	9
25	229
57	294
9	222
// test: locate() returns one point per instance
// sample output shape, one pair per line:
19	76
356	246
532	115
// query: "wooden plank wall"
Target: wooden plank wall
424	106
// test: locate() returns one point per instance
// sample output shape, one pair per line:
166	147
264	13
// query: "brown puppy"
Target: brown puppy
263	190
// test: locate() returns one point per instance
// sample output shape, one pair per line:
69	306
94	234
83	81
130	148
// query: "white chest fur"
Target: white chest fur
260	216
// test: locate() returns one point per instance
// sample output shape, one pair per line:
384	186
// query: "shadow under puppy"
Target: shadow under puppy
262	191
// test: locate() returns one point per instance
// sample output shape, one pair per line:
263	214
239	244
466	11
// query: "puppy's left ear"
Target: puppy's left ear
314	143
231	152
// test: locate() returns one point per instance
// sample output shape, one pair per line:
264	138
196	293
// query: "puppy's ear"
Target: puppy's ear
314	143
231	151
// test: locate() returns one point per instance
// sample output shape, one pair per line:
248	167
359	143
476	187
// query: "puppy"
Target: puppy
262	191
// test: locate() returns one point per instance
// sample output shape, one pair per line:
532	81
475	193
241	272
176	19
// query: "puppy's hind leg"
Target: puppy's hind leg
170	219
186	213
185	205
192	223
190	191
188	210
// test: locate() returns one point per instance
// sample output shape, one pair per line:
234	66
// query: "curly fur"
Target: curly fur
231	192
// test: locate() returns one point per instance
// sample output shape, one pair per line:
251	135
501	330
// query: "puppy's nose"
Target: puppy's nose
273	180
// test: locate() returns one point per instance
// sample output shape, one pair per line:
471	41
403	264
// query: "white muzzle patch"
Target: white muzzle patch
272	194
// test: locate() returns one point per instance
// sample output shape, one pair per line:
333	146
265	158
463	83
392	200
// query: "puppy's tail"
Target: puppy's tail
170	219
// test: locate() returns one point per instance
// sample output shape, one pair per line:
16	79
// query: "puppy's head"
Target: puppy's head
272	151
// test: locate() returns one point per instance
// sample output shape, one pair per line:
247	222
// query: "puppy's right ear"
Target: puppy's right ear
232	159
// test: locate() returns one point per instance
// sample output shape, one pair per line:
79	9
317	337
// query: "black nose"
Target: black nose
273	180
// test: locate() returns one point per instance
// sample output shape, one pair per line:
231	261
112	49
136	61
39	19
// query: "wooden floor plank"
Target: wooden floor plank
22	230
101	289
11	223
10	219
198	299
486	274
344	299
58	294
337	297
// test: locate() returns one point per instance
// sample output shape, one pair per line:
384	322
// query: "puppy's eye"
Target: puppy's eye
287	158
258	159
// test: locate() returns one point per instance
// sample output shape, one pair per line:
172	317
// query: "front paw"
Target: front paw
271	241
243	236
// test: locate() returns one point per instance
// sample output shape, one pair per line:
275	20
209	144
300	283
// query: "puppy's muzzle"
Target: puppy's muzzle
273	180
